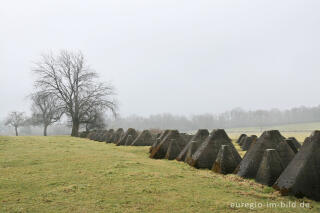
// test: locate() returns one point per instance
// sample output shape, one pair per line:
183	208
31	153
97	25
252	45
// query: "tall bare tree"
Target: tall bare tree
16	120
68	78
46	110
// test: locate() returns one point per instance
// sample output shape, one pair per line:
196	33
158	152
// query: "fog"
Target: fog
178	57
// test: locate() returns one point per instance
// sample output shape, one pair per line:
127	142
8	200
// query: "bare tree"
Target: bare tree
16	120
46	110
68	78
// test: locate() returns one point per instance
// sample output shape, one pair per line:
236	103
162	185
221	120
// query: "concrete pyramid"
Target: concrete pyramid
294	144
241	142
117	135
186	136
226	162
192	148
91	135
285	152
196	140
103	135
129	140
173	150
206	154
123	139
241	137
144	139
158	135
83	134
97	135
161	149
302	175
247	141
270	167
109	136
100	136
159	139
271	139
155	144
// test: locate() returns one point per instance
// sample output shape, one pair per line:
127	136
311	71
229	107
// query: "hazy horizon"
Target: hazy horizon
178	57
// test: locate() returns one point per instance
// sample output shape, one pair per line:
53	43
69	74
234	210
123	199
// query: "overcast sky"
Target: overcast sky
184	57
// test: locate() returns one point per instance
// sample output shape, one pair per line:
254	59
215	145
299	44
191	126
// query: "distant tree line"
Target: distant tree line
230	119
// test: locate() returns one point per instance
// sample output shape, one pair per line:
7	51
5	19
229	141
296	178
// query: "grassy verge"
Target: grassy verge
64	174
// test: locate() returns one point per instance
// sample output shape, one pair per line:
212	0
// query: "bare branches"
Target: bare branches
16	119
46	109
68	78
46	105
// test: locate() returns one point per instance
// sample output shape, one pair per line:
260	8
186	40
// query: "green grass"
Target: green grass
64	174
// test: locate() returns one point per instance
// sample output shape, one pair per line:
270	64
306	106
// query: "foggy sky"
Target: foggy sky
183	57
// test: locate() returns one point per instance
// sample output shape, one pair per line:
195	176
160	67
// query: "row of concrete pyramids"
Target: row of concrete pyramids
212	151
292	171
271	159
245	141
121	138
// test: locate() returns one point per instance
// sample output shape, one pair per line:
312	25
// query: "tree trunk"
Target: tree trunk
87	127
16	128
75	128
45	130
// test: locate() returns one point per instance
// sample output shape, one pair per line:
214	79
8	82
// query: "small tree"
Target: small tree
46	110
16	120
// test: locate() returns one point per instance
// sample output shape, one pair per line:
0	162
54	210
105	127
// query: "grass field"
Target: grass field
64	174
300	131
